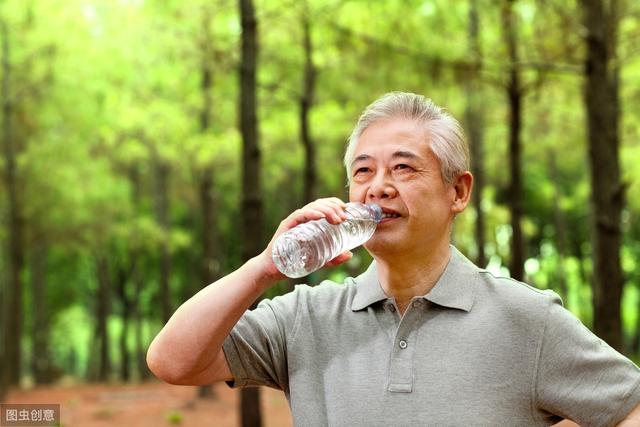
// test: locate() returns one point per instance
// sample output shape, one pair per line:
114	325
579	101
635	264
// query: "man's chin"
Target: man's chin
380	246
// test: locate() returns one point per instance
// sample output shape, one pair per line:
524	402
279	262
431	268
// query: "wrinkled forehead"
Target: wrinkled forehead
390	140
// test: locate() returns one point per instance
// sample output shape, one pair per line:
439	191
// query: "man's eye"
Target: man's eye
401	166
361	170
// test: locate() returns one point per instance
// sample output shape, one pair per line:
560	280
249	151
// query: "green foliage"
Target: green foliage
107	93
174	417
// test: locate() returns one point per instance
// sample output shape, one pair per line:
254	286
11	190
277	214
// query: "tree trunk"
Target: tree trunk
607	195
210	265
13	295
162	171
306	103
102	315
252	205
125	372
514	95
141	361
126	303
252	216
41	368
475	122
137	280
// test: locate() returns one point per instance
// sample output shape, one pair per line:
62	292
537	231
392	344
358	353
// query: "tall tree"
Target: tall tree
103	307
137	274
252	208
600	18
13	309
120	287
475	122
162	171
41	361
206	188
306	103
515	97
124	275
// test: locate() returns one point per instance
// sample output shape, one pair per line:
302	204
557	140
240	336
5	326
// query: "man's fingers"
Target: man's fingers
300	216
310	215
340	259
333	208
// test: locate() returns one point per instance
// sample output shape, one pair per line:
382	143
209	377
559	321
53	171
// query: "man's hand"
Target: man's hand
332	209
188	350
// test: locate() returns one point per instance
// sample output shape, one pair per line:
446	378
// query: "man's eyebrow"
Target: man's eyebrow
405	155
361	158
396	155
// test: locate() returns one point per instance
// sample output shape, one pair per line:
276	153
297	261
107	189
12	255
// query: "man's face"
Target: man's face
394	167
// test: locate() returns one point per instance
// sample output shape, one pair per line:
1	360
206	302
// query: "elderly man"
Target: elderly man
423	336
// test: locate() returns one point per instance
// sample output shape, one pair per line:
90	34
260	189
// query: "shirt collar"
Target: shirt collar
368	289
454	289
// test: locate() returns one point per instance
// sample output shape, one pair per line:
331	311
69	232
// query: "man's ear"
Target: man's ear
463	185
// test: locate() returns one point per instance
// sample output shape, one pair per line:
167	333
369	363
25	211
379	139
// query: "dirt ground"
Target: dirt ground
151	405
155	405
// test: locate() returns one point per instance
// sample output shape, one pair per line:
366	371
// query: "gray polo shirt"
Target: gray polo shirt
476	350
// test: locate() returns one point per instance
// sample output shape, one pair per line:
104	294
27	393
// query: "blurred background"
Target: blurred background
150	147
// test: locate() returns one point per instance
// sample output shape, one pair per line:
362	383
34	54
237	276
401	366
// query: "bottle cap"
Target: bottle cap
377	212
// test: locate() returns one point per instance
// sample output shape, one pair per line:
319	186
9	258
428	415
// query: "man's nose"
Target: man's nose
382	188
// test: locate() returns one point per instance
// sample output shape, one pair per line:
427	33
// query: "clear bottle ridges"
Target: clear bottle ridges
309	246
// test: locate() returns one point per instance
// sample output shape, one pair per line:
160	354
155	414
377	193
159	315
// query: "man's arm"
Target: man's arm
188	350
633	419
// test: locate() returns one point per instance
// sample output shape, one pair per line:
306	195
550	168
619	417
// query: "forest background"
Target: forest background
149	147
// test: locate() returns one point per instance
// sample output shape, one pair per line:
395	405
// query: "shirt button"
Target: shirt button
392	308
417	304
403	344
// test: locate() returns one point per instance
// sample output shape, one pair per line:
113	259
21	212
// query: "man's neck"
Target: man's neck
404	276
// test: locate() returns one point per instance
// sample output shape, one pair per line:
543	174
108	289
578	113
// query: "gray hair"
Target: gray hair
448	142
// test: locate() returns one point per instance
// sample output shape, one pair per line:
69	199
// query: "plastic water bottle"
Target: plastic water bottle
308	246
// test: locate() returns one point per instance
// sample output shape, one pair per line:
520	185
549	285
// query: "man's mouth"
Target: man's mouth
390	215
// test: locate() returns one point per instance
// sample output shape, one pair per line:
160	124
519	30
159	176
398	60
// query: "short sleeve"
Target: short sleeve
580	377
256	347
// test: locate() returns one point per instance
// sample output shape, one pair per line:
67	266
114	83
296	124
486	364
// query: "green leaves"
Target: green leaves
109	92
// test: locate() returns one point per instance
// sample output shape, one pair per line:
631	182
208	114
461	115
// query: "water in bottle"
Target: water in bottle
307	247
